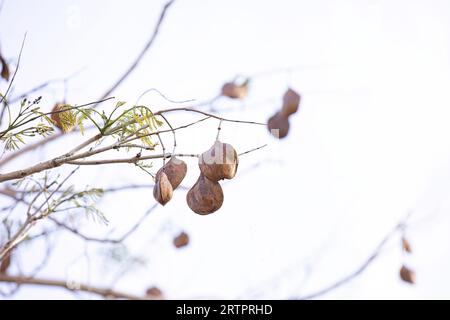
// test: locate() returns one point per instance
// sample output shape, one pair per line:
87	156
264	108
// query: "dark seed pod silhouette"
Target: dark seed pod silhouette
64	120
5	263
278	125
154	293
291	102
407	275
406	245
5	69
181	240
205	196
175	169
219	162
235	91
162	191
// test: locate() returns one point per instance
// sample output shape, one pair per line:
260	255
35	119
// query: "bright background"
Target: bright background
371	142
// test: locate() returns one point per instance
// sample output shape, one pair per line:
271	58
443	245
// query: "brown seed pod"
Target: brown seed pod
407	275
291	102
205	196
181	240
5	263
64	121
219	162
5	69
175	169
162	191
278	125
406	245
235	91
154	293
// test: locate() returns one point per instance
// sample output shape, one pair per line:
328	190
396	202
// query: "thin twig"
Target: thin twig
400	226
144	50
134	159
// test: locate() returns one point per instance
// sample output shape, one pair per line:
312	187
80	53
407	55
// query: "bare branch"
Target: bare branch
104	292
399	227
134	159
144	50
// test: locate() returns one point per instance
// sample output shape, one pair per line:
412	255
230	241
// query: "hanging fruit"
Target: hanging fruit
406	245
154	293
175	169
291	102
407	275
5	263
205	197
219	162
235	91
181	240
64	120
163	190
278	125
5	69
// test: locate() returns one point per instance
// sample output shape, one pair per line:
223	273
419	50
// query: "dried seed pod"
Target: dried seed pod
64	120
278	125
175	169
5	263
235	91
5	69
407	275
406	245
205	196
162	191
219	162
181	240
154	293
291	102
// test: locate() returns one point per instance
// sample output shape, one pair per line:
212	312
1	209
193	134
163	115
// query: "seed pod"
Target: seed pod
406	245
64	120
175	169
278	125
162	191
205	196
291	101
235	91
219	162
154	293
181	240
5	69
407	275
5	263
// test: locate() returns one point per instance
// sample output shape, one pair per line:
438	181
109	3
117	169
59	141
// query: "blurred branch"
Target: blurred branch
106	240
21	233
4	96
107	293
71	158
399	227
144	50
106	94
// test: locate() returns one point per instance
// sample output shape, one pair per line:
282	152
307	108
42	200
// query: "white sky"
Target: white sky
370	143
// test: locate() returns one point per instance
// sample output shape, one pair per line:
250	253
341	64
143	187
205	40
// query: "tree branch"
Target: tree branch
144	50
400	226
104	292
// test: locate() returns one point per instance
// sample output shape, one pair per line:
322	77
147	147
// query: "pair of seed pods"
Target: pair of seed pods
206	195
278	124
